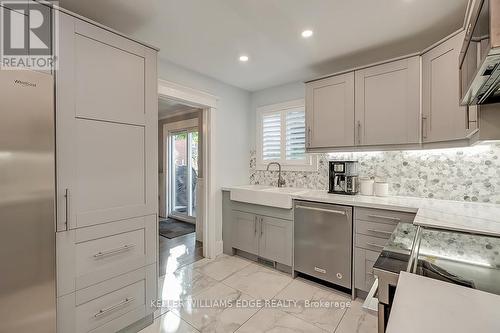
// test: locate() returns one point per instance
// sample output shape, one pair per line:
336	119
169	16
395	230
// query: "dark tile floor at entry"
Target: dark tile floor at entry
172	228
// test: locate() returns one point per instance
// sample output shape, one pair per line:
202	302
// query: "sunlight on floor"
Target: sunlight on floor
175	253
174	289
172	324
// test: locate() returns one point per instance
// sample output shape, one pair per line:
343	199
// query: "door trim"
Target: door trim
211	203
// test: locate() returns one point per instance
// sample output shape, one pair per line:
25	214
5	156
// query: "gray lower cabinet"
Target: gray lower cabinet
372	230
275	242
245	233
267	237
364	261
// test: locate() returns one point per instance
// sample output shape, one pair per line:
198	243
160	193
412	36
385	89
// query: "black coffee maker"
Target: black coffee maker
343	177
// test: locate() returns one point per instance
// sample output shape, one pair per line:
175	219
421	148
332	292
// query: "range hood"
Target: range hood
480	55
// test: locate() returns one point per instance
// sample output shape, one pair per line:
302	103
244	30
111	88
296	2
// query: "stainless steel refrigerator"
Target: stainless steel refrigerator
27	212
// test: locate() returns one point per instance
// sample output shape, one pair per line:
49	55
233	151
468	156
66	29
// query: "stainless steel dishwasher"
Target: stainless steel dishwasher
323	242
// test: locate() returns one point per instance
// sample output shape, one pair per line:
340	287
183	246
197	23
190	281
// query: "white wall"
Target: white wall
231	127
278	94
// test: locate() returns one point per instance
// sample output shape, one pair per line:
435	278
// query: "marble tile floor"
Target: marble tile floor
232	294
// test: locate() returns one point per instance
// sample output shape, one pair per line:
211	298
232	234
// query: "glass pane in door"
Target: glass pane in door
179	192
193	144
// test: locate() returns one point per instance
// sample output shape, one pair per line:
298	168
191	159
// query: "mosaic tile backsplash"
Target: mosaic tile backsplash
463	174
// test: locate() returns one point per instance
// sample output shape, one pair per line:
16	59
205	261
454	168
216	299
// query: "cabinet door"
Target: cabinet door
330	112
363	268
443	118
106	118
245	230
275	242
388	103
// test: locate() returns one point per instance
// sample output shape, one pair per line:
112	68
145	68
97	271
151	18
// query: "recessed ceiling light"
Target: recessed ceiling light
244	58
307	33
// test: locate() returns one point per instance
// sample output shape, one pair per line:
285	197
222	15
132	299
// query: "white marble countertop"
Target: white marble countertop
452	215
422	304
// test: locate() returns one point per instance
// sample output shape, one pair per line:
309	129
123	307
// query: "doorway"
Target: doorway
181	171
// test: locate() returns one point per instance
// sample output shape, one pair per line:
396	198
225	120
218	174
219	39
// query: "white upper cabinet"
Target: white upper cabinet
443	119
106	101
330	112
388	103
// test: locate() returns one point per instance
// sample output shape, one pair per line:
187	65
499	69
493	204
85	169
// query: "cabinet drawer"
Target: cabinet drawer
99	311
370	242
380	230
110	253
383	216
91	255
108	306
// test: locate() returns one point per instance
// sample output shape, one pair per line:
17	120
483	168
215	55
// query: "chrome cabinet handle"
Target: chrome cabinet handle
379	231
255	225
424	127
359	132
261	226
124	248
308	136
340	212
67	198
385	217
111	308
375	245
467	118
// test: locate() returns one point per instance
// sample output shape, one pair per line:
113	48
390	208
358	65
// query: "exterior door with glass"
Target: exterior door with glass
183	173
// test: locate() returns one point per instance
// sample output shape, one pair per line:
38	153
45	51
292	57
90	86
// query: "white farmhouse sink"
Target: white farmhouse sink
265	195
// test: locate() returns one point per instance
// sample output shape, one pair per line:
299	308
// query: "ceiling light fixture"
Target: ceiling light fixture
307	33
244	58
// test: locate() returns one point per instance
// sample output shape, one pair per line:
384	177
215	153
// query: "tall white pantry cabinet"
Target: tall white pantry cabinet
106	148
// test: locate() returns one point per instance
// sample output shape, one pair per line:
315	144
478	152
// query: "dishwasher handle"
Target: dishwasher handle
332	211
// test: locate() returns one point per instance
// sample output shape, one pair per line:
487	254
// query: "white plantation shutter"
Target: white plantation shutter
271	136
295	134
281	137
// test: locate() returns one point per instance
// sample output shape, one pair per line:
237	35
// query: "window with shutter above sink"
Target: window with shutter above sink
281	137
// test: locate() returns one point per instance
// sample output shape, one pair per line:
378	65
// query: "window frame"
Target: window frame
310	163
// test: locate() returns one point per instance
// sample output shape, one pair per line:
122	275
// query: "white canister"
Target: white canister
366	186
381	189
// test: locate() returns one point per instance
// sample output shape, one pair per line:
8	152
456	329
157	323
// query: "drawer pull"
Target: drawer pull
111	308
385	217
113	251
379	232
375	245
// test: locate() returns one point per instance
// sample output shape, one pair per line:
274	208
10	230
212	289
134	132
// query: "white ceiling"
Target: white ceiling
209	35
